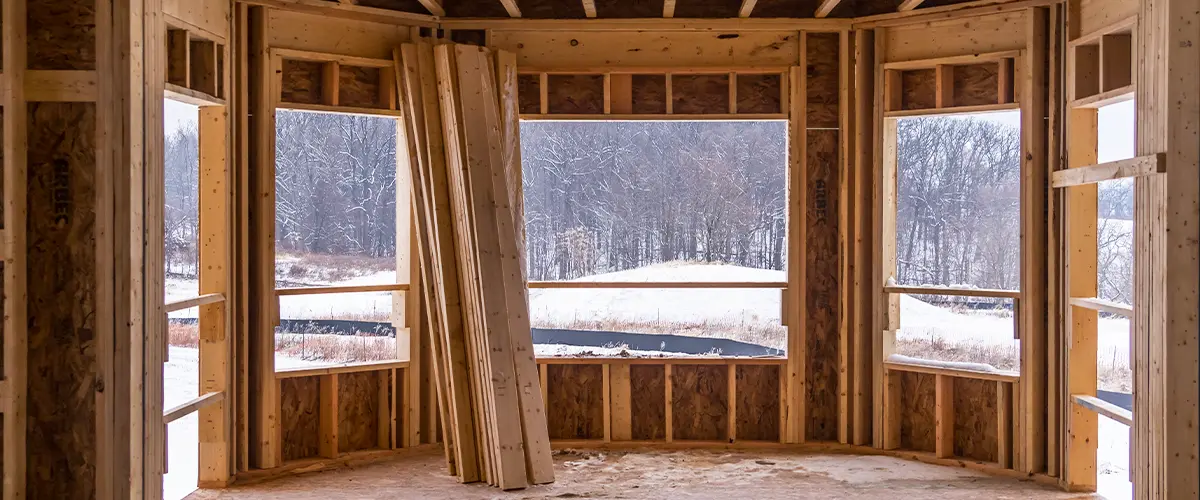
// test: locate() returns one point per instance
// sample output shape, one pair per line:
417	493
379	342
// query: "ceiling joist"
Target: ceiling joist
826	7
589	8
747	8
668	8
908	5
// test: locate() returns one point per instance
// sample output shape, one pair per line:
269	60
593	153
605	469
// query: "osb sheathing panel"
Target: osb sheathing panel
700	408
358	87
474	8
576	94
975	419
62	34
700	94
918	89
301	82
696	9
821	287
469	37
784	8
295	30
551	9
994	33
917	407
759	93
299	416
648	404
575	409
401	5
589	49
1097	14
628	9
822	84
758	403
61	263
649	94
212	15
529	94
976	84
358	416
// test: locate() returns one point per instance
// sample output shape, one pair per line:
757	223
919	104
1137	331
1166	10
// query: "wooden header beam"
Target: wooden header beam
1102	305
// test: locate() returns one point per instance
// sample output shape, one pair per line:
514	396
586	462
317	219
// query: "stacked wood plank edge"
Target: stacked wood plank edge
460	124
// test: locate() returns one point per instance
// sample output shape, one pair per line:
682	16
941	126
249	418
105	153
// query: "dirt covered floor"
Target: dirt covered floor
656	474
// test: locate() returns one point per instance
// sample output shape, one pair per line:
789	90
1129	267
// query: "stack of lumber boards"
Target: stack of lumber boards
460	123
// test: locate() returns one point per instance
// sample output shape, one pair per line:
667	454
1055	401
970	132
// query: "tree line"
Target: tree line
609	196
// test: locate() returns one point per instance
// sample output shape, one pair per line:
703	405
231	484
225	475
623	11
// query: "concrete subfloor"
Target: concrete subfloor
656	474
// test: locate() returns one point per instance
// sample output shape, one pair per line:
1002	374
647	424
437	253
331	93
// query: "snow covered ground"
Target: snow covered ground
181	383
728	313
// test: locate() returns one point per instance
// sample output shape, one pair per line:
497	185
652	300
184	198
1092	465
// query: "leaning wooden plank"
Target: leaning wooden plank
510	218
456	161
1120	169
1102	305
439	278
482	147
1104	408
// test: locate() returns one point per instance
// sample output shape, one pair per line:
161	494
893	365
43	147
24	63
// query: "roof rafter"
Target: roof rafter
826	7
908	5
668	8
747	8
589	8
511	7
434	7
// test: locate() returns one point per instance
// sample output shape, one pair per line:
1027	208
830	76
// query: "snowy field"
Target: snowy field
749	315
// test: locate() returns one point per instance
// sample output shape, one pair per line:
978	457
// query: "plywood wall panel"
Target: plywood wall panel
575	406
976	84
758	402
994	33
917	405
975	419
295	30
301	82
822	287
358	87
529	94
209	15
1097	14
568	50
65	34
61	243
299	416
649	94
647	384
576	94
358	407
759	93
918	89
822	79
700	94
701	402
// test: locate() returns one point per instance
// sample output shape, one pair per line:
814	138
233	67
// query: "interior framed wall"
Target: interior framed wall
915	69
